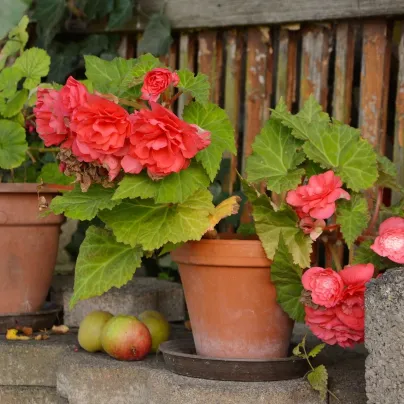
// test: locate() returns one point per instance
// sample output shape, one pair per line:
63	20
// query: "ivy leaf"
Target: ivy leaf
144	64
121	13
316	350
156	37
84	205
353	216
98	8
318	379
11	12
341	148
103	263
198	85
63	62
13	144
9	78
365	255
48	15
34	64
50	174
152	225
275	158
110	76
175	188
13	105
300	123
287	279
271	225
212	118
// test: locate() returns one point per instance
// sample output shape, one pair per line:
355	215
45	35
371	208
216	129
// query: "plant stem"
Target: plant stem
31	156
45	149
335	257
175	98
351	255
376	211
134	104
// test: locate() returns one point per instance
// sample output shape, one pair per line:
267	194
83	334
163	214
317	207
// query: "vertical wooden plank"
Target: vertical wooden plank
123	46
287	66
315	60
343	73
187	47
210	60
232	98
399	124
375	75
256	89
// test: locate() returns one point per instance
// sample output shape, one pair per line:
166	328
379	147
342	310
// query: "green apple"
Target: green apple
158	326
90	330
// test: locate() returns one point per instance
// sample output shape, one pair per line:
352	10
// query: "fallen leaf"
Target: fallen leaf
41	337
60	329
228	207
12	335
27	331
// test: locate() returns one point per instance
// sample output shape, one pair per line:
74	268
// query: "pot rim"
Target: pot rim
29	188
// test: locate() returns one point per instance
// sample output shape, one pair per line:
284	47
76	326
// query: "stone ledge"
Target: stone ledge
104	380
140	294
30	395
33	363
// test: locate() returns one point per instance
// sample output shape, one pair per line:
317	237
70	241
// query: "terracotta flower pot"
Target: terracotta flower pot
28	248
232	301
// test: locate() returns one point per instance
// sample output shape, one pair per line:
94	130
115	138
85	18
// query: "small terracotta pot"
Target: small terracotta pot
28	248
232	301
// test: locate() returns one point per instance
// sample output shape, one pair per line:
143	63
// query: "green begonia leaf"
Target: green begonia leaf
50	174
144	64
198	85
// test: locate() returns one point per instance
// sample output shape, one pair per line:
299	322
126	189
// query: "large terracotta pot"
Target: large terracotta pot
28	248
232	301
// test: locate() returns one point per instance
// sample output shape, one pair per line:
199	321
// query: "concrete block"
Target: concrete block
30	395
142	293
384	330
33	363
104	380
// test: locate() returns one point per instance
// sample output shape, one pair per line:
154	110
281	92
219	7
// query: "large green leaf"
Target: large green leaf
49	16
34	64
121	13
84	205
110	76
50	174
103	263
341	148
156	37
198	85
13	144
275	157
214	119
152	225
287	279
175	188
353	216
388	174
14	104
271	225
300	123
11	12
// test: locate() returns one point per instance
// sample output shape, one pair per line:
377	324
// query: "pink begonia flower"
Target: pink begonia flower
157	81
312	227
318	197
326	286
72	95
390	242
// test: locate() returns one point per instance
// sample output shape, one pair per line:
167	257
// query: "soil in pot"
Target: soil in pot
232	301
28	248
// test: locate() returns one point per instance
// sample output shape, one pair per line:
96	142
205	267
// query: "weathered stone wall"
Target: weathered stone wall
384	338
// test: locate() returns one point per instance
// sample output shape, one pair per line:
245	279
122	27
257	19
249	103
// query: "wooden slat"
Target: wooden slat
210	60
215	13
399	127
187	50
232	98
287	66
375	76
315	61
343	73
256	101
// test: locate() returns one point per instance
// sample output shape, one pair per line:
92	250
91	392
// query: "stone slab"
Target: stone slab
33	363
30	395
140	294
104	380
384	322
